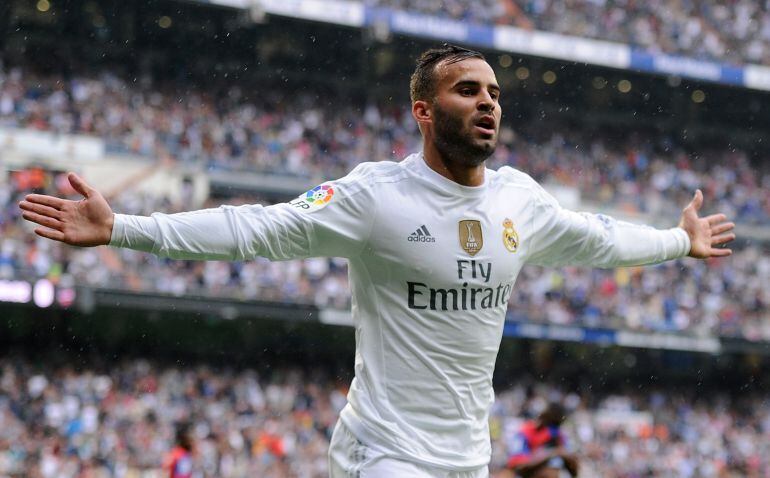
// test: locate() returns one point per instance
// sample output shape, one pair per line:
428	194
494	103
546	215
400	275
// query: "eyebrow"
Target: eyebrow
474	83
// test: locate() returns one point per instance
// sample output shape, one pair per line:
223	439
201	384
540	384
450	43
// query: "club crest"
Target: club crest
510	236
471	238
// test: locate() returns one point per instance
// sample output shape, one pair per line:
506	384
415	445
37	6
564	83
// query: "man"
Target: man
538	449
434	245
179	461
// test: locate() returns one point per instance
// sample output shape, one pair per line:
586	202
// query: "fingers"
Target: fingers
722	238
40	209
79	185
42	220
715	219
717	252
721	228
697	200
50	234
50	201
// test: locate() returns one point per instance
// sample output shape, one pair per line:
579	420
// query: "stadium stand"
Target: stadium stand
736	32
721	298
68	422
658	413
304	137
643	174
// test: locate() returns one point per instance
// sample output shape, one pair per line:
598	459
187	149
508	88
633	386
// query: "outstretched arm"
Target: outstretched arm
563	237
336	227
87	222
706	232
207	234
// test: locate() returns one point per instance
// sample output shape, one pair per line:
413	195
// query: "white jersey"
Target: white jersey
432	264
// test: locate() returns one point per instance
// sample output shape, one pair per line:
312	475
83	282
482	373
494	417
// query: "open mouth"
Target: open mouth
486	125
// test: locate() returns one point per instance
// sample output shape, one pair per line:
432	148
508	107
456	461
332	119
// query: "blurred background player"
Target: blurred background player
179	462
539	449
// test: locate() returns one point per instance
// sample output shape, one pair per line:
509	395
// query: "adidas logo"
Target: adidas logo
421	235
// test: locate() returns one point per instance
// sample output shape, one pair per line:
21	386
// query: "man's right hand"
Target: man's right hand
87	222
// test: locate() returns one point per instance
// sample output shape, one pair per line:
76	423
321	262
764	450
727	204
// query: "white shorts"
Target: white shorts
349	458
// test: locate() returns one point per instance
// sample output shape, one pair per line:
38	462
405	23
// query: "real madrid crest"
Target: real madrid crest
510	236
471	238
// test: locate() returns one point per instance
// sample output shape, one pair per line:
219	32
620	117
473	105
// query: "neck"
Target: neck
462	174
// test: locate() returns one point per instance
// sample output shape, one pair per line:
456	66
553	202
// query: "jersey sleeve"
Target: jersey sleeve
332	219
562	237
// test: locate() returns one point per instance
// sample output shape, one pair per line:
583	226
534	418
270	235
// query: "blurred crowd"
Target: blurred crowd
119	421
484	11
736	32
305	136
720	297
643	432
312	136
62	423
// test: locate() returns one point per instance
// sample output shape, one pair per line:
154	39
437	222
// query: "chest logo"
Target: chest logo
471	238
421	235
510	236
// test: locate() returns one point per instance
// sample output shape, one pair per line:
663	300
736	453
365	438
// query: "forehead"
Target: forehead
470	69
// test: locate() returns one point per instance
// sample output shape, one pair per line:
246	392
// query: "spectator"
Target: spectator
119	422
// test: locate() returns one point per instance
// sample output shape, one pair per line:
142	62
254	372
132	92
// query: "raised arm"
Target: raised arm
87	222
563	237
227	232
308	226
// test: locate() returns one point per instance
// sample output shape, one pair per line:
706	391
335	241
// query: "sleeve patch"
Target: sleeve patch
314	199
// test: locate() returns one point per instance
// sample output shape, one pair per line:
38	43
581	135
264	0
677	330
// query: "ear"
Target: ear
421	111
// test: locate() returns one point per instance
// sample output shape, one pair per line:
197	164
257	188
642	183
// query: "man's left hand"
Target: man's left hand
706	232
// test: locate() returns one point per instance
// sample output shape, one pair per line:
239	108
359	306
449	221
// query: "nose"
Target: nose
486	103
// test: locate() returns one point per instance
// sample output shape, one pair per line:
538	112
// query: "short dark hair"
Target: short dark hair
183	435
554	414
422	85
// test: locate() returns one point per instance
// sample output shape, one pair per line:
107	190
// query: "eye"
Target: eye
467	92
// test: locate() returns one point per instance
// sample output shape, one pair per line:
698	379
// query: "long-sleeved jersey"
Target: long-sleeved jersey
432	264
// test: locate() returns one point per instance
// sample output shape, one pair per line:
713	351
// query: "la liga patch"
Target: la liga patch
314	199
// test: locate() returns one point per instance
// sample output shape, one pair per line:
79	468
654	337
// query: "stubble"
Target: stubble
455	143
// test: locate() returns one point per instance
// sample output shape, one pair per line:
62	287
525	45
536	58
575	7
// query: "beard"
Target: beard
455	143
